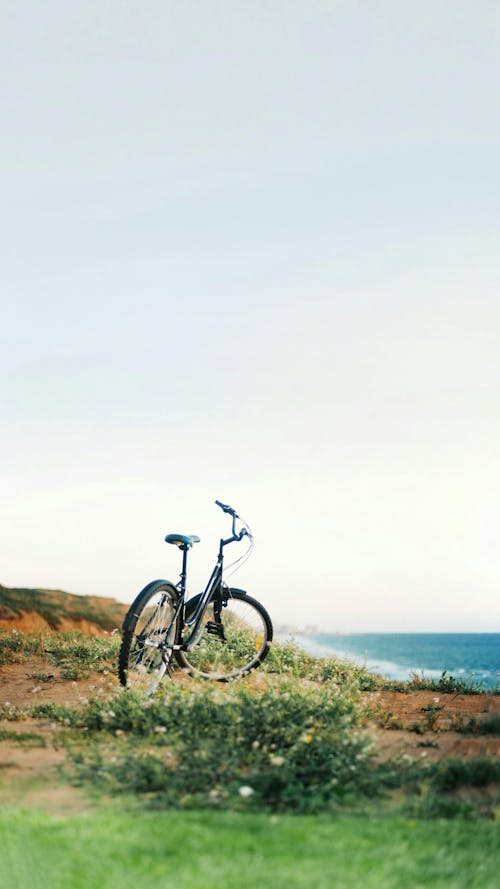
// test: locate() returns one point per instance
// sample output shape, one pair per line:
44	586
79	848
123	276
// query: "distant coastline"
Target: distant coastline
474	657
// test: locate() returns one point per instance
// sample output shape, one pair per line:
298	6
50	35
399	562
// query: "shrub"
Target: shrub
474	726
479	771
281	748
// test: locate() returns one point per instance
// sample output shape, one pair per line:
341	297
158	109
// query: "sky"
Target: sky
251	251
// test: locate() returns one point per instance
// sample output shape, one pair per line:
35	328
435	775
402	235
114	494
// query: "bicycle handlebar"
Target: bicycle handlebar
243	532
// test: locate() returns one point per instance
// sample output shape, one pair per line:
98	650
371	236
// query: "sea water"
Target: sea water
474	657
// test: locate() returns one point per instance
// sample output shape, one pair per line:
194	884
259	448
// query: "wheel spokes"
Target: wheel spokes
151	646
229	646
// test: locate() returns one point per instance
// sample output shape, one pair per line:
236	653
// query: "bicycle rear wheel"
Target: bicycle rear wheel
148	637
233	646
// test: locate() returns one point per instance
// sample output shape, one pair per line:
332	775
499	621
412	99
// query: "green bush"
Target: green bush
451	774
281	748
474	726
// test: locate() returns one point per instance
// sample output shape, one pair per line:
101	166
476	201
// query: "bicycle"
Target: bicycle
220	634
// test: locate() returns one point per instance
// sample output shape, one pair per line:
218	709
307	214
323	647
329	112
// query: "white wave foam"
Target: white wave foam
386	669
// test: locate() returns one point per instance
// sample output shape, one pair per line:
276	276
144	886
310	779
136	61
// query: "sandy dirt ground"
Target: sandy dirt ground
423	723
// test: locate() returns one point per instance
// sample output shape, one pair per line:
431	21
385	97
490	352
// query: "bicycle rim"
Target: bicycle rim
238	645
147	645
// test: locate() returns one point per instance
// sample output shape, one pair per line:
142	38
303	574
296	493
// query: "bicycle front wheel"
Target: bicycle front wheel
233	646
148	637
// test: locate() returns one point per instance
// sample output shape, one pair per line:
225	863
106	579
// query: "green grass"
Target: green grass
77	653
109	848
30	739
446	684
74	652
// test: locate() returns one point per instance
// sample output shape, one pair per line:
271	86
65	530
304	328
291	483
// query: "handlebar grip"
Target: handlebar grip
225	508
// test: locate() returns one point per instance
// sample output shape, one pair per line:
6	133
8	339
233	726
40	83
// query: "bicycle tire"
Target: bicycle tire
145	649
247	631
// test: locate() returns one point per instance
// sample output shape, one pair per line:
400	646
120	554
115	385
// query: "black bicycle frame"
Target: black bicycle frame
214	585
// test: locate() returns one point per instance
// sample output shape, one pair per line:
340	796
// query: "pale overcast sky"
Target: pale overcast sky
251	250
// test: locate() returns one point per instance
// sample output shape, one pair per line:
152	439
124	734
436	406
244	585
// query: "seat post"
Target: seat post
184	568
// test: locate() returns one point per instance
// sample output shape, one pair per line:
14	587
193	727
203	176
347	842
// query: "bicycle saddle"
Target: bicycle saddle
182	539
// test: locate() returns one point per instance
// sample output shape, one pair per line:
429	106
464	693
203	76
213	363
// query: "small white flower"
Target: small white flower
245	791
277	760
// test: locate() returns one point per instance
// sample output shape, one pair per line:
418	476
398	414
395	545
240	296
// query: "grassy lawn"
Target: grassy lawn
109	848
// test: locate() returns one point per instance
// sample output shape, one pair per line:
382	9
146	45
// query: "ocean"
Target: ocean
474	657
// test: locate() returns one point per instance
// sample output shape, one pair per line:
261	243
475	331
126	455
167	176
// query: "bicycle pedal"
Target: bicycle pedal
215	629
